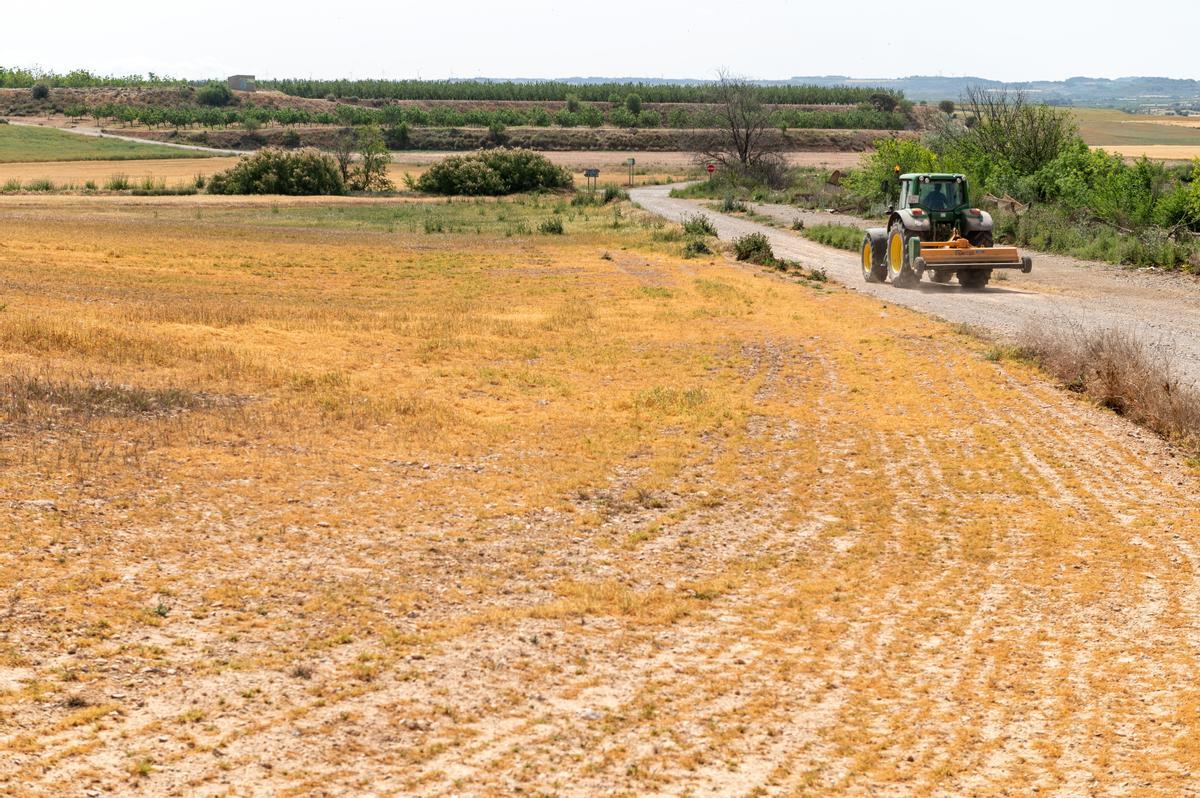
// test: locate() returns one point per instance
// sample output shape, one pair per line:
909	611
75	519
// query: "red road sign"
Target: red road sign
711	168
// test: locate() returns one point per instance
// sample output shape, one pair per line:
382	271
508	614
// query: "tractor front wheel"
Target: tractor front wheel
899	270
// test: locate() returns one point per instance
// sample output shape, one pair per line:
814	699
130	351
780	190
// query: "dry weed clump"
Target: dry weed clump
1122	372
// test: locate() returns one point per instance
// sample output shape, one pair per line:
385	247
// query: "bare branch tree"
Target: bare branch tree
744	146
1008	126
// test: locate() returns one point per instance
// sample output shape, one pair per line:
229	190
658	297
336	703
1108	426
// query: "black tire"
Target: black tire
941	276
899	270
981	238
974	279
872	272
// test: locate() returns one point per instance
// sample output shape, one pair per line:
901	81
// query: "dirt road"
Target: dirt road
1164	309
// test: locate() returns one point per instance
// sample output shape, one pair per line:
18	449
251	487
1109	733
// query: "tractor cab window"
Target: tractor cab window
940	195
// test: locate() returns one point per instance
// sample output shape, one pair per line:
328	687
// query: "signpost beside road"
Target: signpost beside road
712	167
631	163
591	175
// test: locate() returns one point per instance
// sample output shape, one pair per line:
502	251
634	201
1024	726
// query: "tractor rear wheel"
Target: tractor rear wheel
899	270
872	272
974	279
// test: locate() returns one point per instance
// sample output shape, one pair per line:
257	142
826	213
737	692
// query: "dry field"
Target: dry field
397	498
650	167
177	172
1169	138
1161	152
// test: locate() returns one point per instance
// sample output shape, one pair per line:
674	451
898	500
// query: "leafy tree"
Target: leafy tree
878	168
883	101
370	172
633	104
40	91
946	106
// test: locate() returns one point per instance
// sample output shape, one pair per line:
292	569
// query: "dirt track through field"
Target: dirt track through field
1163	309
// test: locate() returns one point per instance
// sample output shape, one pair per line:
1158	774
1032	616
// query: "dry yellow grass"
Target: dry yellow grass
299	498
175	171
1162	152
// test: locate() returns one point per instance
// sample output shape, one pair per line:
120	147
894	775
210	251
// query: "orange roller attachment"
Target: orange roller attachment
959	252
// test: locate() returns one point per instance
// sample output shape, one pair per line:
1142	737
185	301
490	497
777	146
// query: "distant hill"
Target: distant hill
1133	93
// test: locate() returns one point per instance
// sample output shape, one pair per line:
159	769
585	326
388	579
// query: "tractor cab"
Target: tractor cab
941	198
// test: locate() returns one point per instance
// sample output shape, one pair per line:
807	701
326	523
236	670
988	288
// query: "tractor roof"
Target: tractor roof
932	175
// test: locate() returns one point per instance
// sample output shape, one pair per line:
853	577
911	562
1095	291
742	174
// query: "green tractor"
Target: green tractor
934	229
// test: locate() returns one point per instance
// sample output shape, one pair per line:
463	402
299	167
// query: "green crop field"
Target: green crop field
21	143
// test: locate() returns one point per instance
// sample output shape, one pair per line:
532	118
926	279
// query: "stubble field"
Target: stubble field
393	498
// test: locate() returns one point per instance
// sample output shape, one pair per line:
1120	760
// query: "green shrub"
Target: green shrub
493	172
39	185
698	225
40	91
841	236
633	104
649	119
755	248
275	171
290	139
214	94
696	247
11	185
552	226
731	204
117	183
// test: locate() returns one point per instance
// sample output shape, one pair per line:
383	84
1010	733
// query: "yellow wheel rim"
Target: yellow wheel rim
896	253
866	258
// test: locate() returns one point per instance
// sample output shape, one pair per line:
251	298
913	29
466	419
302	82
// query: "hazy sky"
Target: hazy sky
1000	39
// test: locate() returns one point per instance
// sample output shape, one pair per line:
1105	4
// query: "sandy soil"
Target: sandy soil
1164	308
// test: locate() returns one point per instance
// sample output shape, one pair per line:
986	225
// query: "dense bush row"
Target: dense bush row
211	115
560	92
493	172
